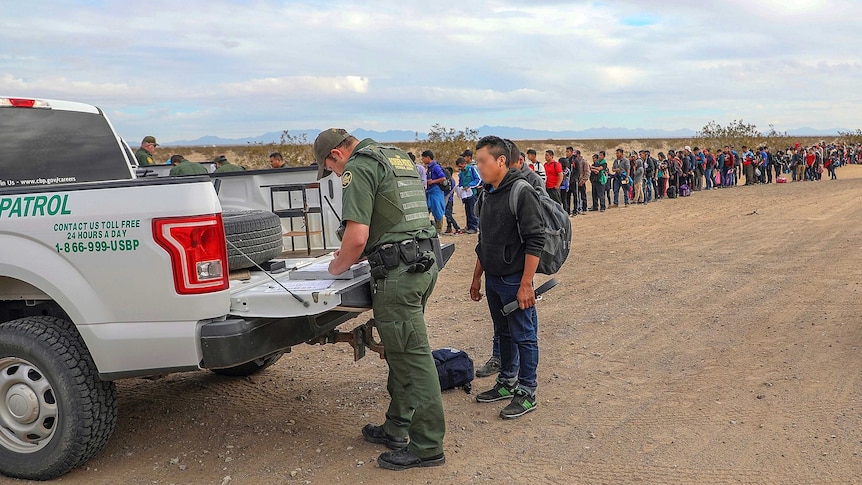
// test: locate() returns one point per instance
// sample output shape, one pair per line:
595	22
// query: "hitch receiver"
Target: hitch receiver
360	338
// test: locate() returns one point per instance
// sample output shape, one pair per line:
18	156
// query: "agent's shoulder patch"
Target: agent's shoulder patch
346	178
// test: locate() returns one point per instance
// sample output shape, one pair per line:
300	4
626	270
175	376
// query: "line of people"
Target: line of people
639	177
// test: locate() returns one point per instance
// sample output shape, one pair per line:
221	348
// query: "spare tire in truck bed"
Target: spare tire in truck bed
254	233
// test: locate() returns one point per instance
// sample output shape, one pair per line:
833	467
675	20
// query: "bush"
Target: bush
294	149
851	137
447	143
736	134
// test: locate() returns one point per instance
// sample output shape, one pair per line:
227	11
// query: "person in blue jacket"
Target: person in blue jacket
434	192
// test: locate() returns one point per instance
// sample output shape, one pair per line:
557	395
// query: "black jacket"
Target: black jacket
500	250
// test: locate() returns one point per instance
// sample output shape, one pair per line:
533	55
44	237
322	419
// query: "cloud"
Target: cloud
222	68
299	86
60	86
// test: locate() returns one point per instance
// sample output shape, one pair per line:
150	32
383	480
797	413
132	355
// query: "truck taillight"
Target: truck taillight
198	252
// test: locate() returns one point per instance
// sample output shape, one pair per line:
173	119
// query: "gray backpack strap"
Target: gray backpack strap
514	195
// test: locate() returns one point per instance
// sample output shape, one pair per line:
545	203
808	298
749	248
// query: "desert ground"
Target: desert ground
710	339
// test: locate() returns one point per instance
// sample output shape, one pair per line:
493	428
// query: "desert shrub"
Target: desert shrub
736	133
446	143
295	149
852	137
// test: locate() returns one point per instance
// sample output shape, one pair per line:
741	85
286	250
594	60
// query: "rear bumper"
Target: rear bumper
236	341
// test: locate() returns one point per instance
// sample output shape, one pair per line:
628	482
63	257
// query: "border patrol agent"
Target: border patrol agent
185	167
223	165
144	154
386	220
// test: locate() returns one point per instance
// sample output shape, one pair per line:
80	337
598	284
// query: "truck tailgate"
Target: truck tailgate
263	294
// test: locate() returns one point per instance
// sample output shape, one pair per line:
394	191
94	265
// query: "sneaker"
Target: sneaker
471	231
459	231
497	393
375	434
448	231
404	459
521	404
490	368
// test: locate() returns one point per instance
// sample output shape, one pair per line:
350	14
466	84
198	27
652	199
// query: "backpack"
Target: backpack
558	228
671	192
446	185
684	191
454	369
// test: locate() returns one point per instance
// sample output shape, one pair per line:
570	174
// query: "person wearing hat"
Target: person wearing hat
385	219
144	154
181	166
223	165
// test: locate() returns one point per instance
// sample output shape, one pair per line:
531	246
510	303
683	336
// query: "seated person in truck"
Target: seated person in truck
144	154
275	160
185	167
223	165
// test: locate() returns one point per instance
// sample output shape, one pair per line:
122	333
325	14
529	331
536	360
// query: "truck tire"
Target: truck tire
257	234
250	368
55	412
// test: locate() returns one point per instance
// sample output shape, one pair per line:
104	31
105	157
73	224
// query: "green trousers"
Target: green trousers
416	406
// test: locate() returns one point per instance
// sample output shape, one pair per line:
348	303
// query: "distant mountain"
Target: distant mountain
510	132
310	135
806	131
603	133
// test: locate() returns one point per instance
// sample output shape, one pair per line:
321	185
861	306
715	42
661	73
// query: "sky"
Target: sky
181	70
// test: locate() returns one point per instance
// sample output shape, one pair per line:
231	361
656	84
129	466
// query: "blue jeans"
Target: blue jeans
709	178
519	344
469	209
648	189
727	177
618	184
450	219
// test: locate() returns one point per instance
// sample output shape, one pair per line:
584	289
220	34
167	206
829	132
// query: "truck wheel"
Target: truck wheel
250	368
55	412
257	234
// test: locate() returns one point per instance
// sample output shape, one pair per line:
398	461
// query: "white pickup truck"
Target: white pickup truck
106	275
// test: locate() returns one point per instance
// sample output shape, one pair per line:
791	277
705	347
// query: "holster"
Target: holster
418	255
382	259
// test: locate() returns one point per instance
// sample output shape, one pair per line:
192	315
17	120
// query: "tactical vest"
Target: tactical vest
400	208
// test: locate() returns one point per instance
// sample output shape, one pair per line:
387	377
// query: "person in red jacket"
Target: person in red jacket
554	172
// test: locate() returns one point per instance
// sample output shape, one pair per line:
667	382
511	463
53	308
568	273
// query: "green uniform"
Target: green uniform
228	167
382	189
144	157
188	168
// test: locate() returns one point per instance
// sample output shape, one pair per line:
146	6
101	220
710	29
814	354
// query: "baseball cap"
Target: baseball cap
149	139
323	144
219	159
467	153
688	148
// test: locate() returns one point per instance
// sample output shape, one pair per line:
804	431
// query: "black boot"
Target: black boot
404	459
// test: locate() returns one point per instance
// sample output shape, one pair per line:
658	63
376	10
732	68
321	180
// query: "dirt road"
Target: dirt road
690	341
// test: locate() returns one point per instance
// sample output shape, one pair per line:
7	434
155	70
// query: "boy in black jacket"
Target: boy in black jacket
508	254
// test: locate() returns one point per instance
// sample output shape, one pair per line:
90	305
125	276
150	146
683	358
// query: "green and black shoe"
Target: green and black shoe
497	393
521	404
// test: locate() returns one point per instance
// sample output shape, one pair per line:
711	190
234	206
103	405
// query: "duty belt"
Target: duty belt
417	254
